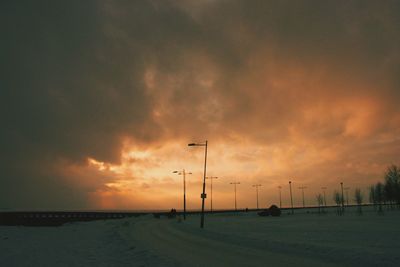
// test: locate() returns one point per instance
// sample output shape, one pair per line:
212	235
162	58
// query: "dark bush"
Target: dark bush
171	214
274	210
263	213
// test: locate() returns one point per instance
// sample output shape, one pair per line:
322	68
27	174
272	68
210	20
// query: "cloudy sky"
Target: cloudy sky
99	100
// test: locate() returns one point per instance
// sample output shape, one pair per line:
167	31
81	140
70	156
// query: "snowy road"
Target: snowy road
249	240
184	246
242	239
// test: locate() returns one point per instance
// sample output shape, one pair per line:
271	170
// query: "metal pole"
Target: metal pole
235	198
212	178
183	173
203	196
341	184
291	197
347	195
256	186
302	192
257	195
211	195
280	196
184	194
234	184
323	188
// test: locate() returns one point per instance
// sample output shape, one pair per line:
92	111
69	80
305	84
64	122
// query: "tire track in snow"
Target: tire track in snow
175	244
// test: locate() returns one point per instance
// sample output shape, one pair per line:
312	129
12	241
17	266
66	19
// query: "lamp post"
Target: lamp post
291	197
280	196
183	173
347	195
212	178
203	195
341	185
235	183
323	189
257	186
302	192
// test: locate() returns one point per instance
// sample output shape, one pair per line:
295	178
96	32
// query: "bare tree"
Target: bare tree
391	187
372	197
337	197
387	193
320	201
379	195
358	197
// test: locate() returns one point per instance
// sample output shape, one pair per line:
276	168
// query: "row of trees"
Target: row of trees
339	200
387	192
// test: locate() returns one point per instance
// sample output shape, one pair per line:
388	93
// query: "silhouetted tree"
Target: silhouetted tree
379	195
387	193
391	187
320	201
358	197
337	197
372	197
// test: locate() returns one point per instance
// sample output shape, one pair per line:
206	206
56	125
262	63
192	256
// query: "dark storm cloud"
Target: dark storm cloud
73	79
327	51
70	90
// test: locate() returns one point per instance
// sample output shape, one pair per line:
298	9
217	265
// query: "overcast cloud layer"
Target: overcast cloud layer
98	96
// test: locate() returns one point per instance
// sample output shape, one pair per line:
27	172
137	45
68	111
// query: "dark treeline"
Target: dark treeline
388	192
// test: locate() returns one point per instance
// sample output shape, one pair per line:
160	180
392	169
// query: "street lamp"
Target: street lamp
203	195
291	197
235	183
302	191
323	189
341	185
183	173
257	186
280	196
212	178
347	195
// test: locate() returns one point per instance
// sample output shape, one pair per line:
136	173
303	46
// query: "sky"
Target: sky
99	100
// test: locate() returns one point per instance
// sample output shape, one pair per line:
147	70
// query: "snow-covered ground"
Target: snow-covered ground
242	239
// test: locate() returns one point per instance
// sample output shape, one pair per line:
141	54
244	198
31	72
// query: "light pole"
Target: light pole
347	195
203	195
280	196
323	189
235	183
257	186
341	184
302	192
291	197
212	178
183	173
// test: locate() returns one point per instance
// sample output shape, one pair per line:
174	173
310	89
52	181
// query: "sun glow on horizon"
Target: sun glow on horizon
148	174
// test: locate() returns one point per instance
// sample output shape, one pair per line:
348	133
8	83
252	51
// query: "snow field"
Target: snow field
233	239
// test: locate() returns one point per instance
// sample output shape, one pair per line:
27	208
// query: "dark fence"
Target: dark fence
57	218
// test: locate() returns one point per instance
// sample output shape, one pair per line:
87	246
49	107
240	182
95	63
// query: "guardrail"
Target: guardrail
57	218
